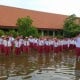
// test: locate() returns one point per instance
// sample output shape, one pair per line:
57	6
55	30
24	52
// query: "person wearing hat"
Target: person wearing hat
17	44
26	45
40	45
7	46
31	40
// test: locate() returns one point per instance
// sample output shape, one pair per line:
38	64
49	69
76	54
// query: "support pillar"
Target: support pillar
42	33
53	33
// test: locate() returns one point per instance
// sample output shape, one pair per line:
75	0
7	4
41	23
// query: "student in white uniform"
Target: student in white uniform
40	46
56	50
78	46
11	39
26	45
21	42
17	45
47	45
35	43
7	46
31	39
1	41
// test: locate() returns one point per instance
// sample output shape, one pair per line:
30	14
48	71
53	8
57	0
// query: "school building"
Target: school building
46	23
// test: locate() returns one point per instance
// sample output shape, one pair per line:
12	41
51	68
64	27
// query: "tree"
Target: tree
1	32
25	26
71	28
12	32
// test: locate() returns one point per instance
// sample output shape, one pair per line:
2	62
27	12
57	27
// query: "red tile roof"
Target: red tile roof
42	20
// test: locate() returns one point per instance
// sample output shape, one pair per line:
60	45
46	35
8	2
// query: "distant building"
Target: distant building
46	23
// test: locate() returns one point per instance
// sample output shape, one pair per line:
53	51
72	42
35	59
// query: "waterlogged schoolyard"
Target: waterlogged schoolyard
36	66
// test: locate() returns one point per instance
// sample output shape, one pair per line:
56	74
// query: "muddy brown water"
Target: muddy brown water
36	66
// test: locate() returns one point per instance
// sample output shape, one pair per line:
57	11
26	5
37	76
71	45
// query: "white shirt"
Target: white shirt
31	40
40	42
21	41
51	42
35	41
47	43
11	39
78	42
56	44
1	41
26	43
7	43
17	43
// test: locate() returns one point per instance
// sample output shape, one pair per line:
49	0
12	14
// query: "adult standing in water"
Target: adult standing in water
78	47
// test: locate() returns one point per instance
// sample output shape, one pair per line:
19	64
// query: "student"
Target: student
47	45
31	39
21	43
35	43
71	44
7	46
17	45
40	46
56	49
1	44
11	39
26	45
65	44
1	41
78	47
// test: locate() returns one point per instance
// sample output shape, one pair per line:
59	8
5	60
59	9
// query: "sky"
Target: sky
66	7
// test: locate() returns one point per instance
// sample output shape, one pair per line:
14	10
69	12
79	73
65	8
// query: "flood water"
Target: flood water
36	66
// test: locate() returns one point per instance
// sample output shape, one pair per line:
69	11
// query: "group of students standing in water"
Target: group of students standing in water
20	44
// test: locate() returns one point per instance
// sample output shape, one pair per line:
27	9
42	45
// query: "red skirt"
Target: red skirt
47	49
26	49
31	45
17	51
40	49
35	46
70	46
21	48
60	48
51	48
1	48
7	50
65	47
77	50
56	49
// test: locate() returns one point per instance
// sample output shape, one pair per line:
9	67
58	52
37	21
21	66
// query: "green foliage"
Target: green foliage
1	32
32	31
12	32
25	27
59	36
71	29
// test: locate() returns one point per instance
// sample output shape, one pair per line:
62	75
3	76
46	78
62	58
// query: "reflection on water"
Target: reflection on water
40	67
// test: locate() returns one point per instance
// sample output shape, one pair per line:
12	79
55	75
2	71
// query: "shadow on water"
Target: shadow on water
36	66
